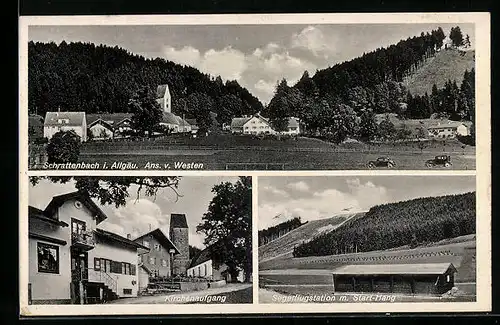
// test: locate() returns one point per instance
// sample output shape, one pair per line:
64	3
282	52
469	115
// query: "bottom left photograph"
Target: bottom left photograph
140	240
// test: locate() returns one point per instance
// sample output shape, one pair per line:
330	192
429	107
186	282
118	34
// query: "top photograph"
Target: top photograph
287	97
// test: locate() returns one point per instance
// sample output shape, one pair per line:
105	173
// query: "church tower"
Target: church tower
179	235
163	98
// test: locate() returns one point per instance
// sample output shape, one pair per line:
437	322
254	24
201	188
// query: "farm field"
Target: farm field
249	159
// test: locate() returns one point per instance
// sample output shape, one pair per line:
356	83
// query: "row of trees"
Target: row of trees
102	79
274	232
456	103
399	224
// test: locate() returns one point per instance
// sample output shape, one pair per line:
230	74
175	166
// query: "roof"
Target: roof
118	238
170	118
73	118
160	91
162	239
379	269
451	124
191	121
239	121
59	200
178	221
201	257
40	215
110	118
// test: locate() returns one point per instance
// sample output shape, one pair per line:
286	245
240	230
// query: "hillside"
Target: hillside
446	65
398	224
285	244
102	79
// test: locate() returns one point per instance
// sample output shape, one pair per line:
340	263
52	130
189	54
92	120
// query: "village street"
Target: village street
225	294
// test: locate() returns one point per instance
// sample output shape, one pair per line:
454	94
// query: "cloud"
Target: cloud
299	186
229	63
323	203
273	190
187	55
313	39
136	218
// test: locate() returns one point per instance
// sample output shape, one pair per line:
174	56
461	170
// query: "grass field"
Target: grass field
248	159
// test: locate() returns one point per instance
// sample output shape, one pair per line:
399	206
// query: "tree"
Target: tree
279	107
368	127
147	113
193	251
227	226
114	190
386	129
457	39
344	123
63	147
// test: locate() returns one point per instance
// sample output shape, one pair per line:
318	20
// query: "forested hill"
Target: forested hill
102	79
398	224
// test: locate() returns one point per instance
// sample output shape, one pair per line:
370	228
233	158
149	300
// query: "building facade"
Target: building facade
65	121
449	130
162	252
425	278
72	261
258	124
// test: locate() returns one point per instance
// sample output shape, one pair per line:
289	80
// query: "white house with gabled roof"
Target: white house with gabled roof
65	121
73	261
257	124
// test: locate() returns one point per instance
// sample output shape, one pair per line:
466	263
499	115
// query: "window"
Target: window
146	243
48	258
77	226
132	269
152	260
108	266
448	278
97	264
127	291
157	247
206	269
163	263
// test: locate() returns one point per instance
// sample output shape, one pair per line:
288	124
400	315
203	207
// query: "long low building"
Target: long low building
424	278
257	124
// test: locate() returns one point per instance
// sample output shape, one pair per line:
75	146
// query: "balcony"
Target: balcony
83	241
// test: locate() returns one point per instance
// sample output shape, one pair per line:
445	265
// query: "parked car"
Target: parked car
382	162
442	160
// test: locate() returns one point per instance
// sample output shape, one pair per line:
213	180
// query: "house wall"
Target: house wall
257	126
118	253
204	269
443	133
49	131
143	278
98	130
49	287
160	255
166	101
463	130
173	127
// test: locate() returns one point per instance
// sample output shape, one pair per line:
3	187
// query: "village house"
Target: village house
202	266
73	261
65	121
109	126
175	123
448	130
159	260
257	124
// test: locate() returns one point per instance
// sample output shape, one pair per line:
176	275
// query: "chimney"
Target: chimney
129	237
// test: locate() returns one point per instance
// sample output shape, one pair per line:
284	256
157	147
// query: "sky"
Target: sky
257	56
137	216
319	197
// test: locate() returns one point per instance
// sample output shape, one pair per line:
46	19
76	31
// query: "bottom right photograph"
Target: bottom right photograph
367	239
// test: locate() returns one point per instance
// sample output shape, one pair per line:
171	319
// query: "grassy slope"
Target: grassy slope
303	233
447	64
